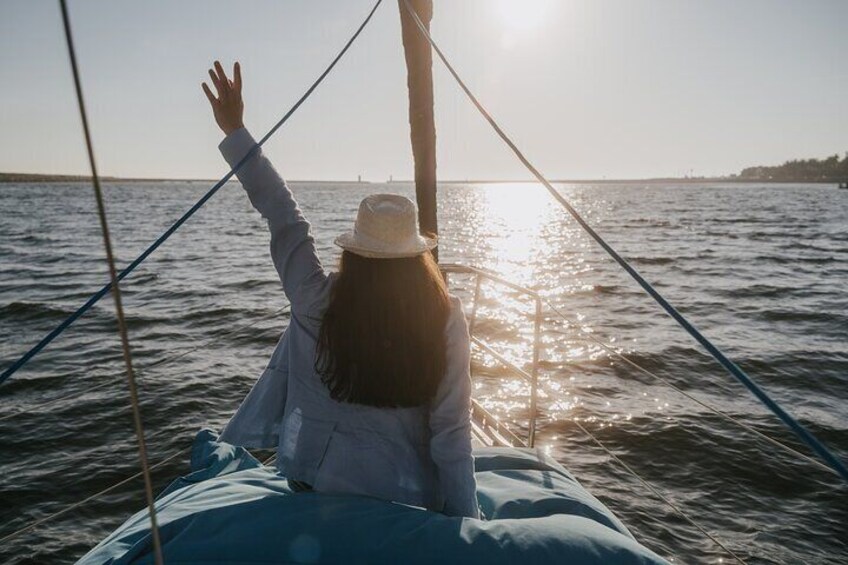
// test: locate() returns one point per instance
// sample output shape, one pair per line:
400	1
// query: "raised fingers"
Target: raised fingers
219	86
237	77
222	76
209	95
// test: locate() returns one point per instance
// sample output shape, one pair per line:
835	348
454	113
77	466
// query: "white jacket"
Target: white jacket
419	456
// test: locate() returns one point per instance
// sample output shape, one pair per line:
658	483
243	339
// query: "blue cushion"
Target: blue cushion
232	509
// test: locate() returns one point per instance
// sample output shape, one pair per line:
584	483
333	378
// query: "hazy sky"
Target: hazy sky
588	89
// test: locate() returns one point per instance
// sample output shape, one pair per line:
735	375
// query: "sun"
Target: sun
521	16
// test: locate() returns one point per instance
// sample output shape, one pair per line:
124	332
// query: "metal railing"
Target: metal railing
486	418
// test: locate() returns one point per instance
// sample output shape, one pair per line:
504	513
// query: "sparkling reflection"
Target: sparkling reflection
516	231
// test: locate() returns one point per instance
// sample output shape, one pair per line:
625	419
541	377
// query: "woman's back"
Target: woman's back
418	455
342	447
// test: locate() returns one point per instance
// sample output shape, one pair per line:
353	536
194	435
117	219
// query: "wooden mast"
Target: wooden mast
422	128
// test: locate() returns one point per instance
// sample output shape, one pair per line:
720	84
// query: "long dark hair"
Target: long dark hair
382	338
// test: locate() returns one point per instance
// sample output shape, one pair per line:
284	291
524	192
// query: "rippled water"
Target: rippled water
762	270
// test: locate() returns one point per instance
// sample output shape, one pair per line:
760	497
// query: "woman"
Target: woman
368	391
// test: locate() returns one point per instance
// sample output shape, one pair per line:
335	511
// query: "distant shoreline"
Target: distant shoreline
38	178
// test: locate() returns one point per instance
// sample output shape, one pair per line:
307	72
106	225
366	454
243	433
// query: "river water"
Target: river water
761	269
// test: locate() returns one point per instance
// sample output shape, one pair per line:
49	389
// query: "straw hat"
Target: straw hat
386	228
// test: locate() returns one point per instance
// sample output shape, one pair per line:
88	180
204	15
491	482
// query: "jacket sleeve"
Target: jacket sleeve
258	420
450	422
292	246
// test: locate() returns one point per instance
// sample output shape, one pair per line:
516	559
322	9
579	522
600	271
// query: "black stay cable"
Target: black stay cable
14	367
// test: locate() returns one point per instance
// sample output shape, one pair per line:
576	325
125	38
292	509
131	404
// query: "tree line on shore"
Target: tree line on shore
831	169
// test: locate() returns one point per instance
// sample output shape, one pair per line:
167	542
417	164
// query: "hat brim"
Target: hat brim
373	250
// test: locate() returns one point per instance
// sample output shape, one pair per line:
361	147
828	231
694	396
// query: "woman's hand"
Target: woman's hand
228	106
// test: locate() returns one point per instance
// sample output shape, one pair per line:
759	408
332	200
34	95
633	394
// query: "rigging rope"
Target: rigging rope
658	494
176	225
629	469
613	351
808	438
36	523
116	291
38	407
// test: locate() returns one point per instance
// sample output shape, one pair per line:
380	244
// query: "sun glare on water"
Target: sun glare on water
513	215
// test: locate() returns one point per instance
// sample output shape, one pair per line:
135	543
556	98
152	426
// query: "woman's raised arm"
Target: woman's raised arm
292	246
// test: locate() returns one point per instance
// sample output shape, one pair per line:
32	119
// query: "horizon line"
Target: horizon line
51	177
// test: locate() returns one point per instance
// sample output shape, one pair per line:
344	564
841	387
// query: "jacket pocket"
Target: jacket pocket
303	445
